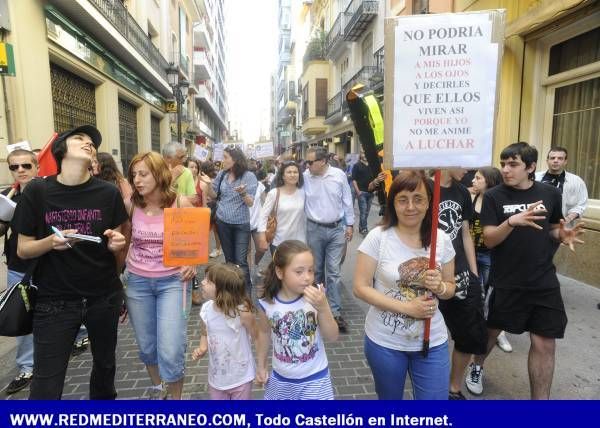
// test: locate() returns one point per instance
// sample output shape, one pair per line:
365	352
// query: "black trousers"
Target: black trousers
55	326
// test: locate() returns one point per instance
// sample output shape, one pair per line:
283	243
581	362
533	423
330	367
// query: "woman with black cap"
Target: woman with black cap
77	279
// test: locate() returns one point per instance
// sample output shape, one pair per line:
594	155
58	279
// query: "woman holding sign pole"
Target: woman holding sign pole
156	294
392	275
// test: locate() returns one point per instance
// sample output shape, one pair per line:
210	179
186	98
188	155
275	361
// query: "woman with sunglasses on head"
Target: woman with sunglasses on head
392	275
288	195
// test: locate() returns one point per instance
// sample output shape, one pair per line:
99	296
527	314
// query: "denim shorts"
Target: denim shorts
158	317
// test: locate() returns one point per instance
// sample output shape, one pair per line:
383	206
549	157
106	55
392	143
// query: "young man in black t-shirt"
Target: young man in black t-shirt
522	224
77	280
362	176
463	313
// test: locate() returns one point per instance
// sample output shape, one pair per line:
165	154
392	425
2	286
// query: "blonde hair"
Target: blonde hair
160	171
230	285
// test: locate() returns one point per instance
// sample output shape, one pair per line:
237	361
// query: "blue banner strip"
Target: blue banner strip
259	414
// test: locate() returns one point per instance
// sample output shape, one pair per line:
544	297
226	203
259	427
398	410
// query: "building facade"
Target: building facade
549	88
102	62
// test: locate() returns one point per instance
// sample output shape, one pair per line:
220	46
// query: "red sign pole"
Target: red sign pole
435	208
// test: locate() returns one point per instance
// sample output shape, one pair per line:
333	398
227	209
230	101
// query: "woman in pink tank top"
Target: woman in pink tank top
156	294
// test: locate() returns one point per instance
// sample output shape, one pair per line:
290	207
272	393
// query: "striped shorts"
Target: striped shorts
314	387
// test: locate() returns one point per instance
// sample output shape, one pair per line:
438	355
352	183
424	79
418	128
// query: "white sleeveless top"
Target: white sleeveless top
230	360
298	350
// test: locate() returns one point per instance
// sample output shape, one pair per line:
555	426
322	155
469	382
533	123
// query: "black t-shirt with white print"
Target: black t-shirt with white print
456	207
88	269
524	259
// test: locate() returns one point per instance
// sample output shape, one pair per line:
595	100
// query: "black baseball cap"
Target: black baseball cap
89	130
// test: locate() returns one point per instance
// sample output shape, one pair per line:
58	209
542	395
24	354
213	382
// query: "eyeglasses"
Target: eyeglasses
16	166
417	201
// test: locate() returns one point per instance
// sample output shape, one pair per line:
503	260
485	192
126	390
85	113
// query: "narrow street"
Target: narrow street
577	372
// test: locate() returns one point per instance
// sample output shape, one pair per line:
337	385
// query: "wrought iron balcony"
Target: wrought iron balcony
335	38
364	76
358	16
334	105
116	13
377	78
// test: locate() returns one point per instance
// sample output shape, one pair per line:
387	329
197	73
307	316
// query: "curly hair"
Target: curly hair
160	171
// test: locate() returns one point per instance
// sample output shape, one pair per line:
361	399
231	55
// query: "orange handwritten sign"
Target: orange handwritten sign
186	236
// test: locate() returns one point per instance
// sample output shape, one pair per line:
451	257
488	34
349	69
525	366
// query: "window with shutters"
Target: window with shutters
321	97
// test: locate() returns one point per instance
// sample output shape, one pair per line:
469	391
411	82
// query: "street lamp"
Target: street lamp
180	88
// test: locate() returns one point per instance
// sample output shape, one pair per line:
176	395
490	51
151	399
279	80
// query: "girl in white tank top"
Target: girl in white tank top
227	325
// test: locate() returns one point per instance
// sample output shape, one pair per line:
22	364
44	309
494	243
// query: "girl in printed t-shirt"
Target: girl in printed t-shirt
296	314
227	323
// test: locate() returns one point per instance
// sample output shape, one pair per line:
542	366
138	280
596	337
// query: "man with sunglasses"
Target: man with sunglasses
328	207
23	167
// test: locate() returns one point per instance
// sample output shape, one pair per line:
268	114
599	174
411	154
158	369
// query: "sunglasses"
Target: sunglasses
16	166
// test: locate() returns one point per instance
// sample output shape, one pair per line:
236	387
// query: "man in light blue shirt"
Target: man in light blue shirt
330	223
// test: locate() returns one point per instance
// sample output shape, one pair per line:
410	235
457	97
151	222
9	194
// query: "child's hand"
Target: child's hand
262	375
316	297
198	353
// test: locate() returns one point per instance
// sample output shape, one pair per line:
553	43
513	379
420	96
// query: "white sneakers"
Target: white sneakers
474	379
215	253
503	343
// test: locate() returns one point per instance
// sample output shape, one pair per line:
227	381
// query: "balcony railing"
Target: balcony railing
377	78
334	105
358	16
363	76
334	36
117	15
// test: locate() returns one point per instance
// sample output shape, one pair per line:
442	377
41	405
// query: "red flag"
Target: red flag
47	163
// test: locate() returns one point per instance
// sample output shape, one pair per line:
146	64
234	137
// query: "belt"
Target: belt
327	225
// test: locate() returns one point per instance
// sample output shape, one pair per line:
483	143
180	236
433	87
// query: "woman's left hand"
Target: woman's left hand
433	280
187	273
116	240
315	295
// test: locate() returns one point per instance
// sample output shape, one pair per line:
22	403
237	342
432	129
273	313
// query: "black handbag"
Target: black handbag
16	306
18	302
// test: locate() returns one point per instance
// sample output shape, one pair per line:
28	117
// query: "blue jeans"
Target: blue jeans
235	239
24	358
430	376
327	245
365	199
484	262
55	326
156	311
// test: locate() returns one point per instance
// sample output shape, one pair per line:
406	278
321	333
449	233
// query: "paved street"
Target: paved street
577	374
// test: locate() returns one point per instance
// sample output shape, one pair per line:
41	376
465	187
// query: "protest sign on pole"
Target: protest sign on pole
264	150
200	153
218	152
441	75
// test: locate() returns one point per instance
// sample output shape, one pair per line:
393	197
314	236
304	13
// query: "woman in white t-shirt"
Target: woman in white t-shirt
392	275
291	219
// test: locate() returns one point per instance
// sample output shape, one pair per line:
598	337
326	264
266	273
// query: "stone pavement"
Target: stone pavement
577	373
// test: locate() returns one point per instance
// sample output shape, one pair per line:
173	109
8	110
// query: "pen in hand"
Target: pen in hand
60	235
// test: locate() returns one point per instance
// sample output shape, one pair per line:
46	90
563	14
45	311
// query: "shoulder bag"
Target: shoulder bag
272	221
17	302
